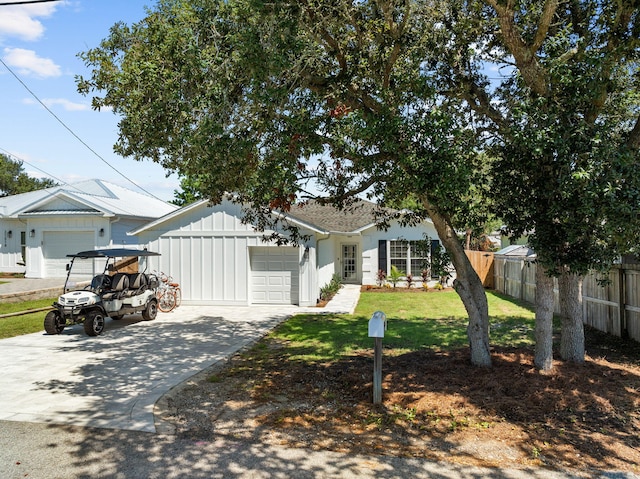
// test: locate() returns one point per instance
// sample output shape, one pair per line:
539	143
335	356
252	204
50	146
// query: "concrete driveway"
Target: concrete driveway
114	380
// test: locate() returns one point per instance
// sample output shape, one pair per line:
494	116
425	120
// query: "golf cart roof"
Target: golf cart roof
112	253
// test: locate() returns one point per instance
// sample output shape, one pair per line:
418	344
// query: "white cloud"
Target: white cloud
67	105
21	21
28	63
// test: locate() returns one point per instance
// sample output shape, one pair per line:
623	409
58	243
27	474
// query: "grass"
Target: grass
415	321
23	324
435	321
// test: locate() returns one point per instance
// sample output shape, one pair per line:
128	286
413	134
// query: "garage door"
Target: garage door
274	275
58	244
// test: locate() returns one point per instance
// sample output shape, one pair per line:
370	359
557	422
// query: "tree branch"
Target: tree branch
532	71
633	140
550	7
397	30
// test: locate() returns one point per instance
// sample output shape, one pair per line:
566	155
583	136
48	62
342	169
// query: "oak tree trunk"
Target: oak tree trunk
543	358
469	287
572	334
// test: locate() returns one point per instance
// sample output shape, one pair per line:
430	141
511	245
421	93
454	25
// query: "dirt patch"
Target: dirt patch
435	406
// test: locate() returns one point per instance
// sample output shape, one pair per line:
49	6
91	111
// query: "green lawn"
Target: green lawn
415	320
24	324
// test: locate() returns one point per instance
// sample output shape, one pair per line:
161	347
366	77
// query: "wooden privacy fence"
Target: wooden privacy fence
613	308
482	262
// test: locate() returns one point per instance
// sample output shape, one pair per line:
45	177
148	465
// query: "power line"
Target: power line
11	155
73	133
108	201
26	2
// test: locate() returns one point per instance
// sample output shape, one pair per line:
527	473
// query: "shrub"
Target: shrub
381	276
409	280
330	289
395	275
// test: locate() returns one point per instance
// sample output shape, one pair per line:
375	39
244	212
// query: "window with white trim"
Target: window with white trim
410	257
398	251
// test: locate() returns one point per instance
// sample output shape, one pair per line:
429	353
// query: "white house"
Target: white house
219	260
41	227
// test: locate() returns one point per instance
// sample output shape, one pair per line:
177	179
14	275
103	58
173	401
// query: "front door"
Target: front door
349	263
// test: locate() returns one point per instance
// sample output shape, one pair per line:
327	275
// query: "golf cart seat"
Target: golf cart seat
100	283
119	285
137	284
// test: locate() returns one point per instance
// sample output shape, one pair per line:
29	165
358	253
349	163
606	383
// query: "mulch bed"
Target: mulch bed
435	405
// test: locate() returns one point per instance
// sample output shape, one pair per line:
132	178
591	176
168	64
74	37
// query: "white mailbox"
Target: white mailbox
377	325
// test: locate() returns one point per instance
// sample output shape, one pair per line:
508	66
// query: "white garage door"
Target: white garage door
274	275
58	244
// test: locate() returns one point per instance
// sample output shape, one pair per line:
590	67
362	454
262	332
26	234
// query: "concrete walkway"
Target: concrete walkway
20	289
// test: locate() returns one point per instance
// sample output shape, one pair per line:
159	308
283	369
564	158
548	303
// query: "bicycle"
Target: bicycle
168	292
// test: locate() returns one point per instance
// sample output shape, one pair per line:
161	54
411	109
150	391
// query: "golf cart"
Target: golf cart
111	294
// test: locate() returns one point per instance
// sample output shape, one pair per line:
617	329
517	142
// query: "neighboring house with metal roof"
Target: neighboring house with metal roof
219	260
41	227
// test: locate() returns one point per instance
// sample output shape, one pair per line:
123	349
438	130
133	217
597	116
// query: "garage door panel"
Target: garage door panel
58	244
274	275
259	265
278	281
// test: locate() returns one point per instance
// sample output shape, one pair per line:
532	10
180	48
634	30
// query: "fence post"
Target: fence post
622	278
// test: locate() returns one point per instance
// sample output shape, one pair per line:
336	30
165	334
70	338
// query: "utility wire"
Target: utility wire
71	187
25	2
73	133
11	155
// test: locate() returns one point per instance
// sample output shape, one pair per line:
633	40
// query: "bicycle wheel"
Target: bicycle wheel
166	301
178	294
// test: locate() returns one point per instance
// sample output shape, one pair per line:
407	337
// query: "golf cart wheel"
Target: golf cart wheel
151	311
54	323
166	302
94	323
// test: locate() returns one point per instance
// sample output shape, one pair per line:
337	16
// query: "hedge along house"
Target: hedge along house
40	228
217	259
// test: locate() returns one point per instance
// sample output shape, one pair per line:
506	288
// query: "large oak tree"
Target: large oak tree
277	100
562	113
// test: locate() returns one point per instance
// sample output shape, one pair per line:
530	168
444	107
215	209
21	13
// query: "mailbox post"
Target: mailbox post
377	327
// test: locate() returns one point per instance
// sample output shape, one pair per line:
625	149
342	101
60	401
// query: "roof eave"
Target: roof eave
169	216
304	224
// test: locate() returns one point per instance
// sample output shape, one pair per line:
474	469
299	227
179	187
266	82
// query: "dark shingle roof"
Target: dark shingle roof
327	218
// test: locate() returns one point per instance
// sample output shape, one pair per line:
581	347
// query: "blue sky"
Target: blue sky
40	43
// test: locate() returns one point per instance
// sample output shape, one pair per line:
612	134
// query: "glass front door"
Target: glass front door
349	263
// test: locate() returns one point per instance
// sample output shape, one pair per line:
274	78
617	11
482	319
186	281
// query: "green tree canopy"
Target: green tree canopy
13	179
563	123
189	191
276	100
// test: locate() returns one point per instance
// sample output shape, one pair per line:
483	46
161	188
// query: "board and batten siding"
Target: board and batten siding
207	251
209	268
11	247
